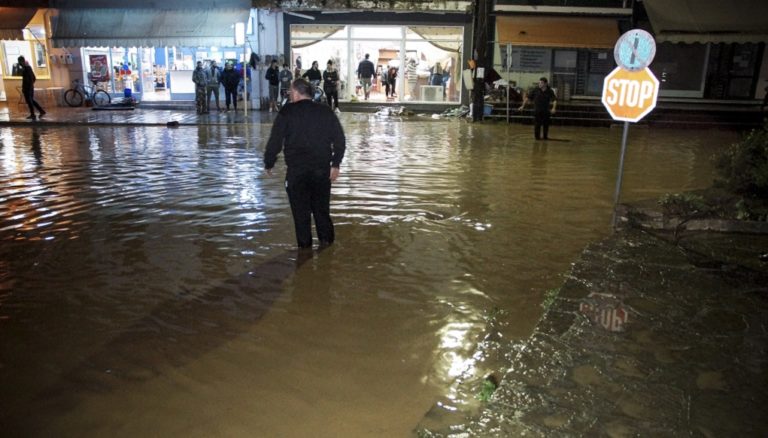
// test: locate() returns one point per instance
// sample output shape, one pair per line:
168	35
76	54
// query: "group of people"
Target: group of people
208	81
280	82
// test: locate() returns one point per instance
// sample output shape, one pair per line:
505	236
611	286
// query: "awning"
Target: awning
705	21
13	20
147	27
582	32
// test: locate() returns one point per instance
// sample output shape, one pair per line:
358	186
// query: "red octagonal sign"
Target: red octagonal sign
630	96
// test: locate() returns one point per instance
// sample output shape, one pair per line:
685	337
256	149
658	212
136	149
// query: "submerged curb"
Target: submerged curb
644	338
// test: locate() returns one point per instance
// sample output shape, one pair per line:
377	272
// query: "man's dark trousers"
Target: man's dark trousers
309	192
541	120
29	96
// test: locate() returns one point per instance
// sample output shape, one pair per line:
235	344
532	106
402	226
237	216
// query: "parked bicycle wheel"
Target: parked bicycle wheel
74	97
101	98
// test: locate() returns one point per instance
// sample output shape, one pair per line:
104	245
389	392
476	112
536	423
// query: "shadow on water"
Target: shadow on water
176	333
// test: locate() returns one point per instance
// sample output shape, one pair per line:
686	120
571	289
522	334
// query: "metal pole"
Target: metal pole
245	80
621	172
509	78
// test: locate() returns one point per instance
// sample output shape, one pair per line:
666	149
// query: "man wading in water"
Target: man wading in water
313	142
541	97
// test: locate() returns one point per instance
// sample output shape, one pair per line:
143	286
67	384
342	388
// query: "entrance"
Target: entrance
425	60
154	74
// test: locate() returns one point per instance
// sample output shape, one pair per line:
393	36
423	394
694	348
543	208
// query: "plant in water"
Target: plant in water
743	170
488	388
684	207
549	297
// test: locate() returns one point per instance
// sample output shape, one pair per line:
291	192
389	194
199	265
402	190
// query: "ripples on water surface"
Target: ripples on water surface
148	283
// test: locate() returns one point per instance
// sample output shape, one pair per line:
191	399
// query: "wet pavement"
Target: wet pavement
149	285
644	338
15	115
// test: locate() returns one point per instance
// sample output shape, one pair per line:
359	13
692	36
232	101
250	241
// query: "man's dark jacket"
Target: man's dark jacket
311	135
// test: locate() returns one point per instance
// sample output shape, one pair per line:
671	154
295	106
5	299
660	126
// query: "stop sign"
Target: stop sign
630	96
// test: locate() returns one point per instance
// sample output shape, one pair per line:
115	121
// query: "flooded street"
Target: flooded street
149	283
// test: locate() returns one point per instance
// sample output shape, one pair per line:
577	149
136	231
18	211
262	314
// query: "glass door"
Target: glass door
154	74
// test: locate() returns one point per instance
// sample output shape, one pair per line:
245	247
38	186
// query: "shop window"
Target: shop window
431	77
680	69
33	53
743	70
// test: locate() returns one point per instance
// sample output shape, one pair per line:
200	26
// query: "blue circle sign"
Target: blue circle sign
635	50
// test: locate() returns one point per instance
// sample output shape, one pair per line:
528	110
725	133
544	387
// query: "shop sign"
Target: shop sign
605	310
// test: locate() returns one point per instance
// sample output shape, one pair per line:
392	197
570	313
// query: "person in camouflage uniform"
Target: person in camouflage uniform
198	77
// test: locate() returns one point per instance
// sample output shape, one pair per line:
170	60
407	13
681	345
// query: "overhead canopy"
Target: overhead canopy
704	21
132	27
13	20
582	32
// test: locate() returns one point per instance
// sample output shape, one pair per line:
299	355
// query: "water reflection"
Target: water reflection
162	255
36	148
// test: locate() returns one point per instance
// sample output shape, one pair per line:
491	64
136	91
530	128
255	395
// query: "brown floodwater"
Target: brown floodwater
149	284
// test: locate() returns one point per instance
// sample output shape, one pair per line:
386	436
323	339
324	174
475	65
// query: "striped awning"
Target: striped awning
144	27
708	21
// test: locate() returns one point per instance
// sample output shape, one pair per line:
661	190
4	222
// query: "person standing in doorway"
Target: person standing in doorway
542	97
212	84
297	70
230	80
365	71
391	81
313	143
198	77
28	79
313	75
331	85
286	77
273	77
411	77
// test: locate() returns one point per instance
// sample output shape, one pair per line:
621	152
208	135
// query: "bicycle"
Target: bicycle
80	92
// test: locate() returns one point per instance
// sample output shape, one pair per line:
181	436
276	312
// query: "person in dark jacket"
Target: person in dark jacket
331	85
313	143
365	71
230	80
273	77
313	75
541	96
212	84
28	88
198	78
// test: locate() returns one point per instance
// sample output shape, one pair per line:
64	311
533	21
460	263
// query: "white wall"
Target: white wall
267	42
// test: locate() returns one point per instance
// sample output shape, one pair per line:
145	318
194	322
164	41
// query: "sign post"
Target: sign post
630	90
240	39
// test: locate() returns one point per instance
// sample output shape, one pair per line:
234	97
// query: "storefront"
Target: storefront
423	53
705	52
710	51
22	33
574	53
152	52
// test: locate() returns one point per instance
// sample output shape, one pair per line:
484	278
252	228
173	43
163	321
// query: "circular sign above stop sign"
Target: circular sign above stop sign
630	95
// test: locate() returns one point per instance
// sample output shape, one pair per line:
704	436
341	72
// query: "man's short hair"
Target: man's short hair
544	80
303	87
20	59
367	56
285	65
